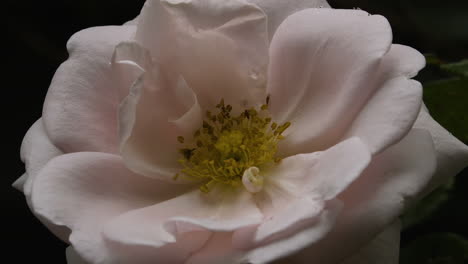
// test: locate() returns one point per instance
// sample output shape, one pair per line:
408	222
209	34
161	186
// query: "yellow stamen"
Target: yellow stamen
231	150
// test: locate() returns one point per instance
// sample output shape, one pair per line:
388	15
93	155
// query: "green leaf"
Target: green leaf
447	103
432	59
459	68
437	248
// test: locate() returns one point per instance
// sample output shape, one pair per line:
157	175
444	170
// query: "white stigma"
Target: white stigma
252	180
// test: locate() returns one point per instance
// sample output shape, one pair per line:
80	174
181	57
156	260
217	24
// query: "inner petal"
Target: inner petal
229	39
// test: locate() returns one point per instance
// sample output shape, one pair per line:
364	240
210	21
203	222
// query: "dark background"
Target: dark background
37	32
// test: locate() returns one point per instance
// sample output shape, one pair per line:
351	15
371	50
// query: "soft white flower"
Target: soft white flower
358	147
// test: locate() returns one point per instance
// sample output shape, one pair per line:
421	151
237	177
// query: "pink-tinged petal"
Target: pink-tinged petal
384	249
389	114
187	244
220	49
322	71
163	223
297	241
278	10
85	190
73	257
158	109
296	190
393	181
36	150
452	154
80	110
218	249
401	61
391	111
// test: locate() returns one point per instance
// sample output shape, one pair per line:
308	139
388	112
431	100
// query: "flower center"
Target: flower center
232	150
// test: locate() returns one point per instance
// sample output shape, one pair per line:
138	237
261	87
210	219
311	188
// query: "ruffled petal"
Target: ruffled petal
392	182
80	110
219	48
158	109
221	210
187	244
299	240
298	201
297	189
218	249
383	249
391	111
36	150
452	154
389	114
85	190
129	62
278	10
222	248
322	72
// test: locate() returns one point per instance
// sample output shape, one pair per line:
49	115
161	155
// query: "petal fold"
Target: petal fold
300	192
323	69
229	39
392	110
36	150
389	114
278	10
297	241
159	108
161	223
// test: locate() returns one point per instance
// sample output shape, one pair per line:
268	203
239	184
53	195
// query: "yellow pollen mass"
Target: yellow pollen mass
227	146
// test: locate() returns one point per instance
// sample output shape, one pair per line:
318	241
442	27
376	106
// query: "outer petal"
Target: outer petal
391	183
219	47
158	109
278	10
36	151
80	110
322	71
85	190
389	114
383	249
452	154
391	111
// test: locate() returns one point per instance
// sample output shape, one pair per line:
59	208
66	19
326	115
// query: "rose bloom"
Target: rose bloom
210	131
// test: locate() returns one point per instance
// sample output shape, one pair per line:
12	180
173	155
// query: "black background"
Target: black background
37	32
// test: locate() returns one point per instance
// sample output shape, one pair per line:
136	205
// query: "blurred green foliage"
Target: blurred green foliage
437	248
